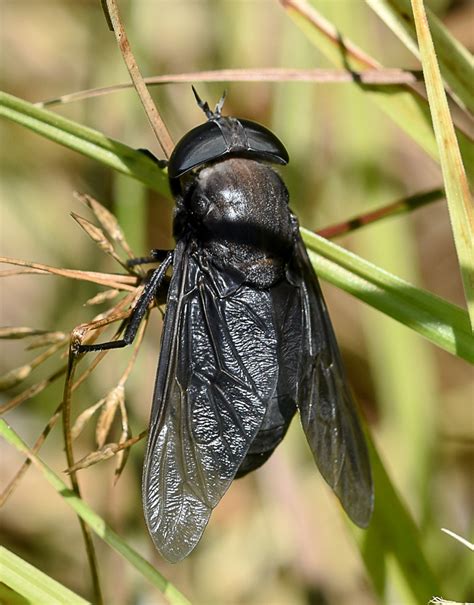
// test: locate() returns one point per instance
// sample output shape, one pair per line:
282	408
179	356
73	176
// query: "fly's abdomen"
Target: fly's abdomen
274	426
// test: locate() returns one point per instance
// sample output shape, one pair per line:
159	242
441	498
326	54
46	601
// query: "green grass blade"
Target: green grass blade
455	182
393	532
455	61
10	596
454	337
87	141
96	523
441	322
32	584
401	104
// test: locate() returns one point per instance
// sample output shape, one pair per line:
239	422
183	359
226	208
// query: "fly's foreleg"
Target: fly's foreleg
141	306
156	256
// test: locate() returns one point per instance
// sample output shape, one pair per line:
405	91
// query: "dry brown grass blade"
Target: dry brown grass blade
32	391
15	272
14	377
136	348
354	57
28	394
159	128
114	400
13	484
104	453
125	435
98	236
120	282
87	333
126	431
17	375
48	338
102	297
407	204
84	418
371	77
37	388
110	406
328	29
17	332
122	454
107	220
118	312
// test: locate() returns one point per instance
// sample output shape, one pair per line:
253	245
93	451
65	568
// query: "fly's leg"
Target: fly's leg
160	163
156	256
141	306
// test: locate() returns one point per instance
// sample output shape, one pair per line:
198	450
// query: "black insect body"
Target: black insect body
246	342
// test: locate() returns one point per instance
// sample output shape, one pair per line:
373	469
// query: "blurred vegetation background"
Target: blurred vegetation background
278	537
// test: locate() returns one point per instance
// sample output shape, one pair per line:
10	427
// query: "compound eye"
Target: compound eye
199	146
263	143
222	137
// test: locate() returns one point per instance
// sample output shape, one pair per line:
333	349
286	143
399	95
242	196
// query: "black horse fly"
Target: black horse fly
247	340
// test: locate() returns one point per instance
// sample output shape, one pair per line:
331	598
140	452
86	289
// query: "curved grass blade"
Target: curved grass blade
393	532
33	584
406	107
95	522
441	322
87	141
455	61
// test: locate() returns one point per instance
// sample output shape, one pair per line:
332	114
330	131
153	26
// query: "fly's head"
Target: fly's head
218	139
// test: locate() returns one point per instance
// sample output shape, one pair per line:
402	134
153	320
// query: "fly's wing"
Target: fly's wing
216	374
327	409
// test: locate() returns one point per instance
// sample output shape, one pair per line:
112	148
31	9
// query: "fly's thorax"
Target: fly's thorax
238	210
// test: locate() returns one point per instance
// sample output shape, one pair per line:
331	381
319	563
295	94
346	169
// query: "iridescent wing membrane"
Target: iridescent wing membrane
327	409
217	371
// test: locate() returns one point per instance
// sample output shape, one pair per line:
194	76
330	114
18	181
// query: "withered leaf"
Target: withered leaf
109	409
95	233
48	338
14	332
83	418
104	453
102	297
14	377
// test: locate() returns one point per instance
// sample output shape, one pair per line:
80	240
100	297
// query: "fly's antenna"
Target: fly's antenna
203	104
220	104
211	115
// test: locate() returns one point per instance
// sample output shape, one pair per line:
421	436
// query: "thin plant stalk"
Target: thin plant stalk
159	128
86	531
10	488
374	77
399	207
